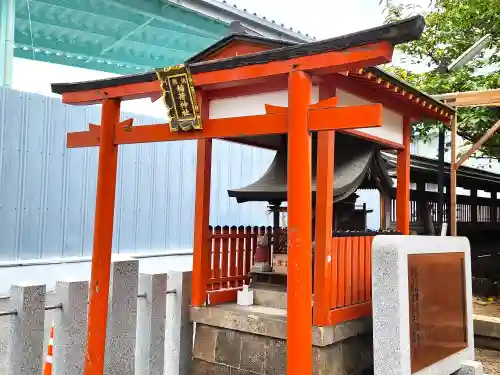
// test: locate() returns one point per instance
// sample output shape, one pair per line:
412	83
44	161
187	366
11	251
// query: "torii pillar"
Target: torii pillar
299	306
302	118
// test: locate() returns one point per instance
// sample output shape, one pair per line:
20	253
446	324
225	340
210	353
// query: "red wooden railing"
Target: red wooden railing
351	277
231	252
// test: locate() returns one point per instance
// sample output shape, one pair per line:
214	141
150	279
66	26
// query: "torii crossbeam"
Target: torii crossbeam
321	116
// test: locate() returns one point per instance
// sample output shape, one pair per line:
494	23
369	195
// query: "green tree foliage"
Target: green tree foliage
452	27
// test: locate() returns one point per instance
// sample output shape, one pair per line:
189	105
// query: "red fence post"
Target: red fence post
241	253
216	268
225	255
248	249
233	241
335	273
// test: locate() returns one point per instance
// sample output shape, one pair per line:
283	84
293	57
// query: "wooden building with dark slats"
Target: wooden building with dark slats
475	214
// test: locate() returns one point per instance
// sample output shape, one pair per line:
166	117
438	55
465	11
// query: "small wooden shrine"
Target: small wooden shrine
358	165
269	94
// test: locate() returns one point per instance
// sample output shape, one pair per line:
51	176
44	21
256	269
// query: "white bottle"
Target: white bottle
245	296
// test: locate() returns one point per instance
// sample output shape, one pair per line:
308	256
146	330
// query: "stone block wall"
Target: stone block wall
224	351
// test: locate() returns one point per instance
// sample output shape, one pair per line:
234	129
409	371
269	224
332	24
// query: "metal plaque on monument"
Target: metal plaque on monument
438	316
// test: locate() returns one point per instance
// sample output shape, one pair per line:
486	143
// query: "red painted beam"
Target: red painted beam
335	118
319	64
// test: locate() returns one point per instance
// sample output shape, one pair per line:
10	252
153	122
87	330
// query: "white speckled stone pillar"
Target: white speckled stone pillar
122	318
391	303
151	314
26	331
70	327
179	335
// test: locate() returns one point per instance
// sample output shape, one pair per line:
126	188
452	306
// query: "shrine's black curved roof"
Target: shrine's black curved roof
357	165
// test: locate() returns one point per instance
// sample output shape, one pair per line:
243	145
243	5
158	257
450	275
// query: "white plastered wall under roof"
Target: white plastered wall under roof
250	105
392	122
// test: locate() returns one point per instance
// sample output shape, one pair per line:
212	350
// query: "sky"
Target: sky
320	18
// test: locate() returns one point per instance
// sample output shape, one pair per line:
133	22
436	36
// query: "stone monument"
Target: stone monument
422	306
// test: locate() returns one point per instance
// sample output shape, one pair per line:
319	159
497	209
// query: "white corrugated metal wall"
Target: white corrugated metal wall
47	192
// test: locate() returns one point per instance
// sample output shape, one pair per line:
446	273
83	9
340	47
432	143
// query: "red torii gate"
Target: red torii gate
294	68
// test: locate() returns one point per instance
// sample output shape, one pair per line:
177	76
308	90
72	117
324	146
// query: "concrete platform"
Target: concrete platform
247	340
272	322
486	332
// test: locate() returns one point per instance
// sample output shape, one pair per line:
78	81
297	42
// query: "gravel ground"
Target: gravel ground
490	360
484	306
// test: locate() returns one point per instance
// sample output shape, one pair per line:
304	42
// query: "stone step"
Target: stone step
269	297
486	332
486	326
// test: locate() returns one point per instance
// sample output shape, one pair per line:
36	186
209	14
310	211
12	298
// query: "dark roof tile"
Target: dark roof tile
395	33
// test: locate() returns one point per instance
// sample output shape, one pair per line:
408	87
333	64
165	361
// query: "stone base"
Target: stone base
233	341
260	267
471	368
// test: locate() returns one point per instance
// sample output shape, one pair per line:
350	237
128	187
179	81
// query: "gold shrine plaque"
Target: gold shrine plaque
438	315
180	98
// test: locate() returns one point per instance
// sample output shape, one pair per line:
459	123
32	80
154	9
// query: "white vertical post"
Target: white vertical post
179	333
7	18
151	319
26	331
122	318
70	327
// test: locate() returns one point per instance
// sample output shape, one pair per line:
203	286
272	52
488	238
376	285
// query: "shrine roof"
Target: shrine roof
237	37
395	33
370	80
358	164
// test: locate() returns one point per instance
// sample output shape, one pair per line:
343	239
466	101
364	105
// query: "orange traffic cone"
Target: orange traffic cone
47	370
